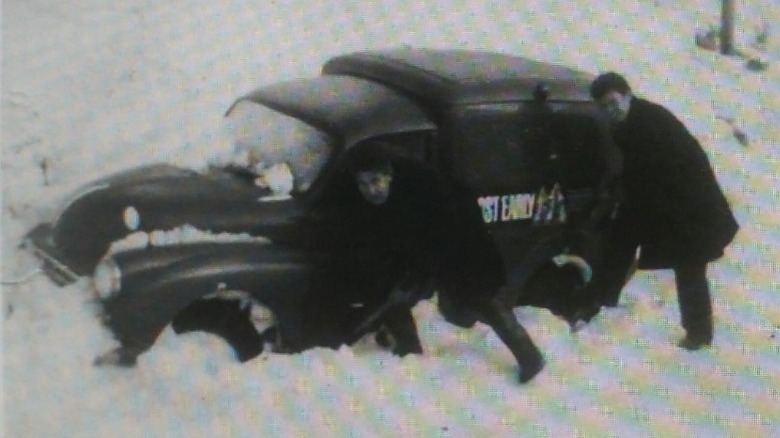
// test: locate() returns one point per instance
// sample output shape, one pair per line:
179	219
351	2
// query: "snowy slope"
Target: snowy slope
90	87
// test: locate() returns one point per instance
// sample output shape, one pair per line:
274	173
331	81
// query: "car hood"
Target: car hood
158	201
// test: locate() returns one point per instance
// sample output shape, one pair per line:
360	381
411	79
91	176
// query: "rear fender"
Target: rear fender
539	280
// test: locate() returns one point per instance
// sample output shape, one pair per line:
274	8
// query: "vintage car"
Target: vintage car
523	135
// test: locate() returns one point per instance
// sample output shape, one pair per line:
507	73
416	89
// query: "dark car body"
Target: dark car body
522	135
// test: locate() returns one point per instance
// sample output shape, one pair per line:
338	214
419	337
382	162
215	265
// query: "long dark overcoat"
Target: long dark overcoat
673	203
425	226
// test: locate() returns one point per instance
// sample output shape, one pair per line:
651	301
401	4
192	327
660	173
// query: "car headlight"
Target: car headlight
107	279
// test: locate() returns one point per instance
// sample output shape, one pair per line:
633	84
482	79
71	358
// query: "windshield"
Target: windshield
285	153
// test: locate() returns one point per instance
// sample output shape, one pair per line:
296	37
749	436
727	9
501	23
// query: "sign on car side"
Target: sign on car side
544	207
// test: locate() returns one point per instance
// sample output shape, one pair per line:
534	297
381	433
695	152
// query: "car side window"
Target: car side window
416	147
524	146
503	146
577	141
487	146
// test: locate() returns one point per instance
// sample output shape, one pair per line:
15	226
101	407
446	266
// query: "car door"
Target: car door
533	168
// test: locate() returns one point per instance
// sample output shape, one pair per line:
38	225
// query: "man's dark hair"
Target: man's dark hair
369	160
607	82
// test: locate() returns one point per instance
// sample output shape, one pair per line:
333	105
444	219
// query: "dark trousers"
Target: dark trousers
693	292
615	269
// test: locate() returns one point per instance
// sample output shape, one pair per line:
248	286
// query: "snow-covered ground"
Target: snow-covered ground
92	86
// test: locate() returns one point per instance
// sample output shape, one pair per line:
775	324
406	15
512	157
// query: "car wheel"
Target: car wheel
243	323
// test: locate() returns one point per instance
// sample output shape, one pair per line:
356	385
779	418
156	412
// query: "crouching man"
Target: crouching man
415	225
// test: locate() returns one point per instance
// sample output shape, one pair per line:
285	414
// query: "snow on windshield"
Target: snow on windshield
266	141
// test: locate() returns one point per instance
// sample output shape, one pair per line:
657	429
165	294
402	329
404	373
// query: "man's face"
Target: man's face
616	105
374	185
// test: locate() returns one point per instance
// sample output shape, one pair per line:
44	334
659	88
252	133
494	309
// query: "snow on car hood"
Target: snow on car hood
185	234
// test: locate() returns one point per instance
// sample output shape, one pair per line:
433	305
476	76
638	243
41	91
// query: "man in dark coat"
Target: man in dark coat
412	228
673	208
388	241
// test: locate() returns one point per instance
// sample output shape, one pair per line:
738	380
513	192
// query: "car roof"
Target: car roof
352	109
462	76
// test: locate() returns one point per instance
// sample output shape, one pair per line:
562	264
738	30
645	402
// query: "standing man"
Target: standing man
673	209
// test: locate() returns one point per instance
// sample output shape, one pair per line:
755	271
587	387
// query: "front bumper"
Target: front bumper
39	242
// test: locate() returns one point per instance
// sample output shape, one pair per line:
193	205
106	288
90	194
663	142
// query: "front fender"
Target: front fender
279	278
